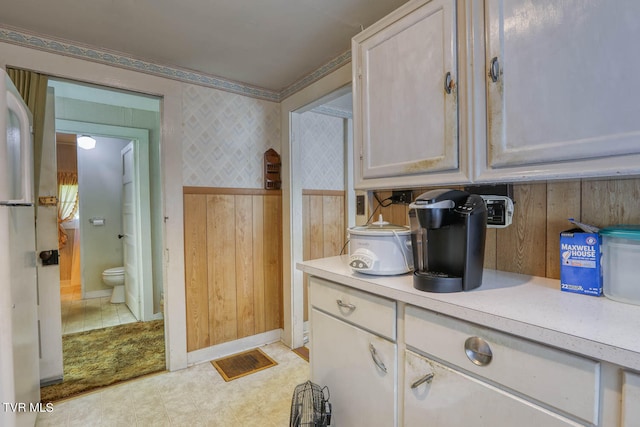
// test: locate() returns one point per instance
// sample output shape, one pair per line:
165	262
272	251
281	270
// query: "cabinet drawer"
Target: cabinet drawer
451	398
559	379
377	314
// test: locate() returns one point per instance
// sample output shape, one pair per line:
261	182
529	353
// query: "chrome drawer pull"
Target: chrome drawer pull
347	306
494	69
478	351
426	379
376	358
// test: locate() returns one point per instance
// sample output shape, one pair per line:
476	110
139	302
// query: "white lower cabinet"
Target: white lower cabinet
388	363
436	395
630	399
358	367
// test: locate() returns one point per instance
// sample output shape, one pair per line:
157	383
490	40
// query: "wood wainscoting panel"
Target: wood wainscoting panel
258	249
563	202
233	259
323	228
244	266
221	240
195	257
521	247
611	202
491	249
333	225
530	245
272	232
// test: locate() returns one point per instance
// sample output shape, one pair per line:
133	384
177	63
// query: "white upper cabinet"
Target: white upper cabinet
562	88
406	98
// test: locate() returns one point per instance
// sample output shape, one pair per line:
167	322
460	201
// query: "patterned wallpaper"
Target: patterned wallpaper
322	151
225	136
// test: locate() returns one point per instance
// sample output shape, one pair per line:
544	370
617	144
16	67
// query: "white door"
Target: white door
19	367
351	362
563	81
405	109
137	233
49	311
630	399
450	398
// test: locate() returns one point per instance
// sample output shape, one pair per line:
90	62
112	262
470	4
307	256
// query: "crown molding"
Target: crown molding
61	47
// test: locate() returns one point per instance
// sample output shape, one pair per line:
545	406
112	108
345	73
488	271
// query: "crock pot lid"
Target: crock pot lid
379	226
622	231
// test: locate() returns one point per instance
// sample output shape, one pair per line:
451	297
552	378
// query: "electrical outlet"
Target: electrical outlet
499	211
403	197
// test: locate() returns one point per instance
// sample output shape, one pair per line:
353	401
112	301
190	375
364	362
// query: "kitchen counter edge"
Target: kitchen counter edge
526	306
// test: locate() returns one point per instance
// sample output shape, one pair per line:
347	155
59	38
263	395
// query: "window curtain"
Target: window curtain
67	202
33	89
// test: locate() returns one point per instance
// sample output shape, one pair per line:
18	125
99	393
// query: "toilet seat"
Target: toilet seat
113	271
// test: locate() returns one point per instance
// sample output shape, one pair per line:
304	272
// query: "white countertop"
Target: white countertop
527	306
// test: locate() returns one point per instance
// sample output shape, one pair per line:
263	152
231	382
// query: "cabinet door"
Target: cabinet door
630	399
453	399
564	99
349	360
405	121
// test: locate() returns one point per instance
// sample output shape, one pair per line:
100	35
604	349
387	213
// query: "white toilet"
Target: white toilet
115	277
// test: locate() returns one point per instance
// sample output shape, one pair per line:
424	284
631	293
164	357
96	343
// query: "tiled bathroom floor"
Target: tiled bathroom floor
196	396
95	313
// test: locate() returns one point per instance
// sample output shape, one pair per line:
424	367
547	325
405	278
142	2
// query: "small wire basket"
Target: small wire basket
310	406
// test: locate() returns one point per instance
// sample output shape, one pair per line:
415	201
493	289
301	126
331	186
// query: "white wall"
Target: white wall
99	196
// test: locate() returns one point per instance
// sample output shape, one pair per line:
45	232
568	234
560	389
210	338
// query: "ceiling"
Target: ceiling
269	44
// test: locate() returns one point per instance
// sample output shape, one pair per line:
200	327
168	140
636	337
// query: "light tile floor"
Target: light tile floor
94	313
196	396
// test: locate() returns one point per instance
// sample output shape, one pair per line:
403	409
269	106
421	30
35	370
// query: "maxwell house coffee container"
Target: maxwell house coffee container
580	262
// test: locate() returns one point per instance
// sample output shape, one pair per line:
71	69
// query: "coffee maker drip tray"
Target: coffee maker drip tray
433	281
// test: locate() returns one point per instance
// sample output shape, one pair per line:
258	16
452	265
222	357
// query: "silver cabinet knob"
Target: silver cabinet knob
478	351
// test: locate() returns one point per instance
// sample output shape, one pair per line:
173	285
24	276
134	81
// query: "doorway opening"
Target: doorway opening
119	123
322	187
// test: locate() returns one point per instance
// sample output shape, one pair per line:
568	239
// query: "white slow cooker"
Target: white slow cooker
380	248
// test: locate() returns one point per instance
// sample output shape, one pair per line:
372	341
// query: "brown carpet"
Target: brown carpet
106	356
242	364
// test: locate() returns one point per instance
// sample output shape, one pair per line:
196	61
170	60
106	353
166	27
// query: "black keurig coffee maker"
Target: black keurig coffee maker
448	230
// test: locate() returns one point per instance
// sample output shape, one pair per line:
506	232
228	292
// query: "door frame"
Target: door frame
140	138
142	208
293	334
170	92
49	308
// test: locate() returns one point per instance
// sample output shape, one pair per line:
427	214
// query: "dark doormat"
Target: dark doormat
302	352
241	364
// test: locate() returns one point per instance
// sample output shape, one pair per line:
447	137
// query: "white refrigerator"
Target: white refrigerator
19	348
